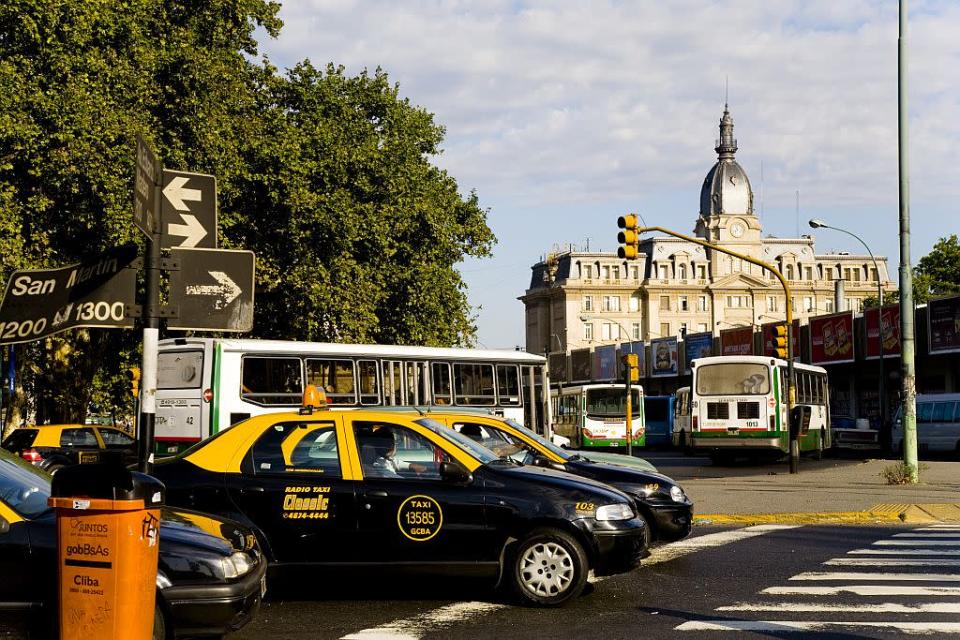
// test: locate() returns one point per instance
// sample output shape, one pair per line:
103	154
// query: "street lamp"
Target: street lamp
816	223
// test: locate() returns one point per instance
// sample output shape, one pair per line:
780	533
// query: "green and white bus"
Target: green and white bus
594	415
738	406
205	385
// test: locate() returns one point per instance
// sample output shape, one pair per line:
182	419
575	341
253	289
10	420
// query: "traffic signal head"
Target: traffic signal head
780	341
629	238
632	362
133	374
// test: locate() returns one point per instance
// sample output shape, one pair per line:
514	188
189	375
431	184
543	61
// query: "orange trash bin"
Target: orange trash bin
108	535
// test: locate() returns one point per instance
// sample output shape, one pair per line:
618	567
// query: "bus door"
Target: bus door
181	419
405	383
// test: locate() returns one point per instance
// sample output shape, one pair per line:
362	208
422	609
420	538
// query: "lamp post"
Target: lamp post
816	223
627	387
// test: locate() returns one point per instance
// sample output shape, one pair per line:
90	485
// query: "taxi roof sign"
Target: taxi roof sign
313	398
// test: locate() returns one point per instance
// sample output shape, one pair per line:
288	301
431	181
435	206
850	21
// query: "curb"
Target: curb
881	513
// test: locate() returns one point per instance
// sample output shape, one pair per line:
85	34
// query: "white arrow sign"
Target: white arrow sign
176	193
226	292
193	230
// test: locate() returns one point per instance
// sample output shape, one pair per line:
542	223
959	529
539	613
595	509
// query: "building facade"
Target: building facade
580	299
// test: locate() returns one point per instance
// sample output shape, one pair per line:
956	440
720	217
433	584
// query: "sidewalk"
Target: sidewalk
849	492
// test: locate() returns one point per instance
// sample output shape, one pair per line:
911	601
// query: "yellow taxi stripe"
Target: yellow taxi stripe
349	456
223	454
9	514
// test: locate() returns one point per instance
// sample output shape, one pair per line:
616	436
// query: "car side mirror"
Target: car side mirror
455	472
547	463
4	525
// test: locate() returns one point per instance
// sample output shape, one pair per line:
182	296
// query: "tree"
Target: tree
938	272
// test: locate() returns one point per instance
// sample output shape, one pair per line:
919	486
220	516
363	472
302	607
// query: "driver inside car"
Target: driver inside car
381	446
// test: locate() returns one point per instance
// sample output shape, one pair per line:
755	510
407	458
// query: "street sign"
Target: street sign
95	293
213	289
188	210
146	178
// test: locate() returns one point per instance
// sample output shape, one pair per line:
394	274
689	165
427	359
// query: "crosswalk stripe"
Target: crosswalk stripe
931	534
905	552
883	607
797	625
893	562
849	575
863	590
918	542
709	541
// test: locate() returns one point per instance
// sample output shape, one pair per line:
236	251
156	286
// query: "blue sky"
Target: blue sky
564	115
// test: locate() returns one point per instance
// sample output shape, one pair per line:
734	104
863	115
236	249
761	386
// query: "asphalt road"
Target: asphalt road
832	582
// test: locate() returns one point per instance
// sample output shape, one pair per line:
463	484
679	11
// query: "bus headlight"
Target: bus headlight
676	494
614	512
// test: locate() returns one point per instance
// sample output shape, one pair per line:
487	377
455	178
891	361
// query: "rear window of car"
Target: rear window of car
78	438
112	437
19	440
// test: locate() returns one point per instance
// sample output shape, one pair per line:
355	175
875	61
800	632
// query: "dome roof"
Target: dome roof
726	189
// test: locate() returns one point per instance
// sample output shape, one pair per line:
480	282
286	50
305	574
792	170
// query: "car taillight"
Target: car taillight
207	395
31	455
696	422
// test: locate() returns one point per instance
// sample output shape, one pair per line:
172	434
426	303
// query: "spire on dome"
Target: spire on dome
727	144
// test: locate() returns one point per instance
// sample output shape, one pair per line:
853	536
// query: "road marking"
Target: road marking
893	562
797	625
885	607
847	575
864	590
930	534
709	541
905	552
917	542
416	627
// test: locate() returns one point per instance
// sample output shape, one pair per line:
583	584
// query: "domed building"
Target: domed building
579	299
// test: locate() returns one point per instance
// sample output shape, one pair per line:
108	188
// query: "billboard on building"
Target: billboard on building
831	338
696	345
558	367
605	362
766	333
580	365
887	329
943	324
737	341
639	349
663	357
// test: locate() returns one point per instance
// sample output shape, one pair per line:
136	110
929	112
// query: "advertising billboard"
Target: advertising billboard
580	365
766	331
605	362
943	319
831	338
663	357
558	367
888	328
737	341
696	345
639	349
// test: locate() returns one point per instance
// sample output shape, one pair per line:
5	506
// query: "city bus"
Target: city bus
594	415
205	385
738	406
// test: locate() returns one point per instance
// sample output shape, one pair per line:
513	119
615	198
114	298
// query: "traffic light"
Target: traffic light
780	341
632	362
629	238
134	374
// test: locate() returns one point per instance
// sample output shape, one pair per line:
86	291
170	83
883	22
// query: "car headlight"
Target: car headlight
676	494
238	564
614	512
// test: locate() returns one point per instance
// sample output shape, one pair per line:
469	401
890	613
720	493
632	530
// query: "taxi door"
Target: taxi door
408	513
19	591
294	485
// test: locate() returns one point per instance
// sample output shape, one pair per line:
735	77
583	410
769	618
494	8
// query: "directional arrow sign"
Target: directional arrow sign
213	290
188	210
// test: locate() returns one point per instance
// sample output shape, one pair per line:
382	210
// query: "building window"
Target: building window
635	302
606	272
664	274
808	304
611	303
683	304
588	331
664	329
829	305
588	303
809	272
683	328
702	271
588	271
702	327
701	303
874	276
772	303
615	272
789	272
610	331
636	330
856	274
683	272
664	303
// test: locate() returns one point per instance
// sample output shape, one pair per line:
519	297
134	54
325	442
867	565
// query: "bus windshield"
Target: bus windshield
733	379
610	402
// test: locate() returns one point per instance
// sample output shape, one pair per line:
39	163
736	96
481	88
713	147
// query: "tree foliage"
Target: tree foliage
328	178
938	272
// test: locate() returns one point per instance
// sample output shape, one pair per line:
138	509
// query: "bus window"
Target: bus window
335	377
441	383
474	384
735	378
942	412
508	384
179	369
271	380
924	411
369	382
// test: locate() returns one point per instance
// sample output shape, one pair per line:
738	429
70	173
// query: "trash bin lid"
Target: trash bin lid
107	481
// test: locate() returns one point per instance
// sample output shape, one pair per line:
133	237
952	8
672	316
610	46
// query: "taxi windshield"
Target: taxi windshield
23	487
472	447
543	442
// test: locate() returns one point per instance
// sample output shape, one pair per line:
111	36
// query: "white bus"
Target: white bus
738	405
938	423
594	415
681	420
205	385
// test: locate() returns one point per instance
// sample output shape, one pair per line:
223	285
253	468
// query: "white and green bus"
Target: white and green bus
205	385
594	415
738	406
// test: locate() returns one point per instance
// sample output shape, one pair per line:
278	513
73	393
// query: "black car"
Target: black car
54	446
379	491
210	577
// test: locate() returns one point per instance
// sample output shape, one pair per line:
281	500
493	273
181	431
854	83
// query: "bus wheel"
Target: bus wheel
548	568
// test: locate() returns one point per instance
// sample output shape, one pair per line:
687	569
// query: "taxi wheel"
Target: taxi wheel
159	624
52	469
548	567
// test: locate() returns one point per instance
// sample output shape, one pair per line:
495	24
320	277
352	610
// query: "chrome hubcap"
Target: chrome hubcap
546	569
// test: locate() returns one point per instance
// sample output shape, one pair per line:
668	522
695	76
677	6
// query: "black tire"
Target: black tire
160	626
52	469
647	530
547	568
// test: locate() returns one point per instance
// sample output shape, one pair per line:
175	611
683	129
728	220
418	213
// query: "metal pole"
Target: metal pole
151	338
548	404
908	377
629	411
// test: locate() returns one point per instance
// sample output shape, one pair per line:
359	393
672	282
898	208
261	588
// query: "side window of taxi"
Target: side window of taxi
393	451
78	438
500	442
114	438
293	447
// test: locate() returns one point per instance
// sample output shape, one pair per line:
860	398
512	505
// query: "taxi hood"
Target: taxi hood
203	531
614	473
557	480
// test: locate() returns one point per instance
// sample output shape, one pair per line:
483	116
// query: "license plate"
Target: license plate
89	458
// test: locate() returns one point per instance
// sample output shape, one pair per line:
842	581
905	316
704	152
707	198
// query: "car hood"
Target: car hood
616	474
619	459
203	531
557	479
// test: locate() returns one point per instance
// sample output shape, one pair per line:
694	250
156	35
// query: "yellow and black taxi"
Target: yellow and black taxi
54	446
210	578
659	500
393	491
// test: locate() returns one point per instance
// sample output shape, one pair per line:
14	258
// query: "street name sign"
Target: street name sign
146	177
213	289
188	210
94	293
